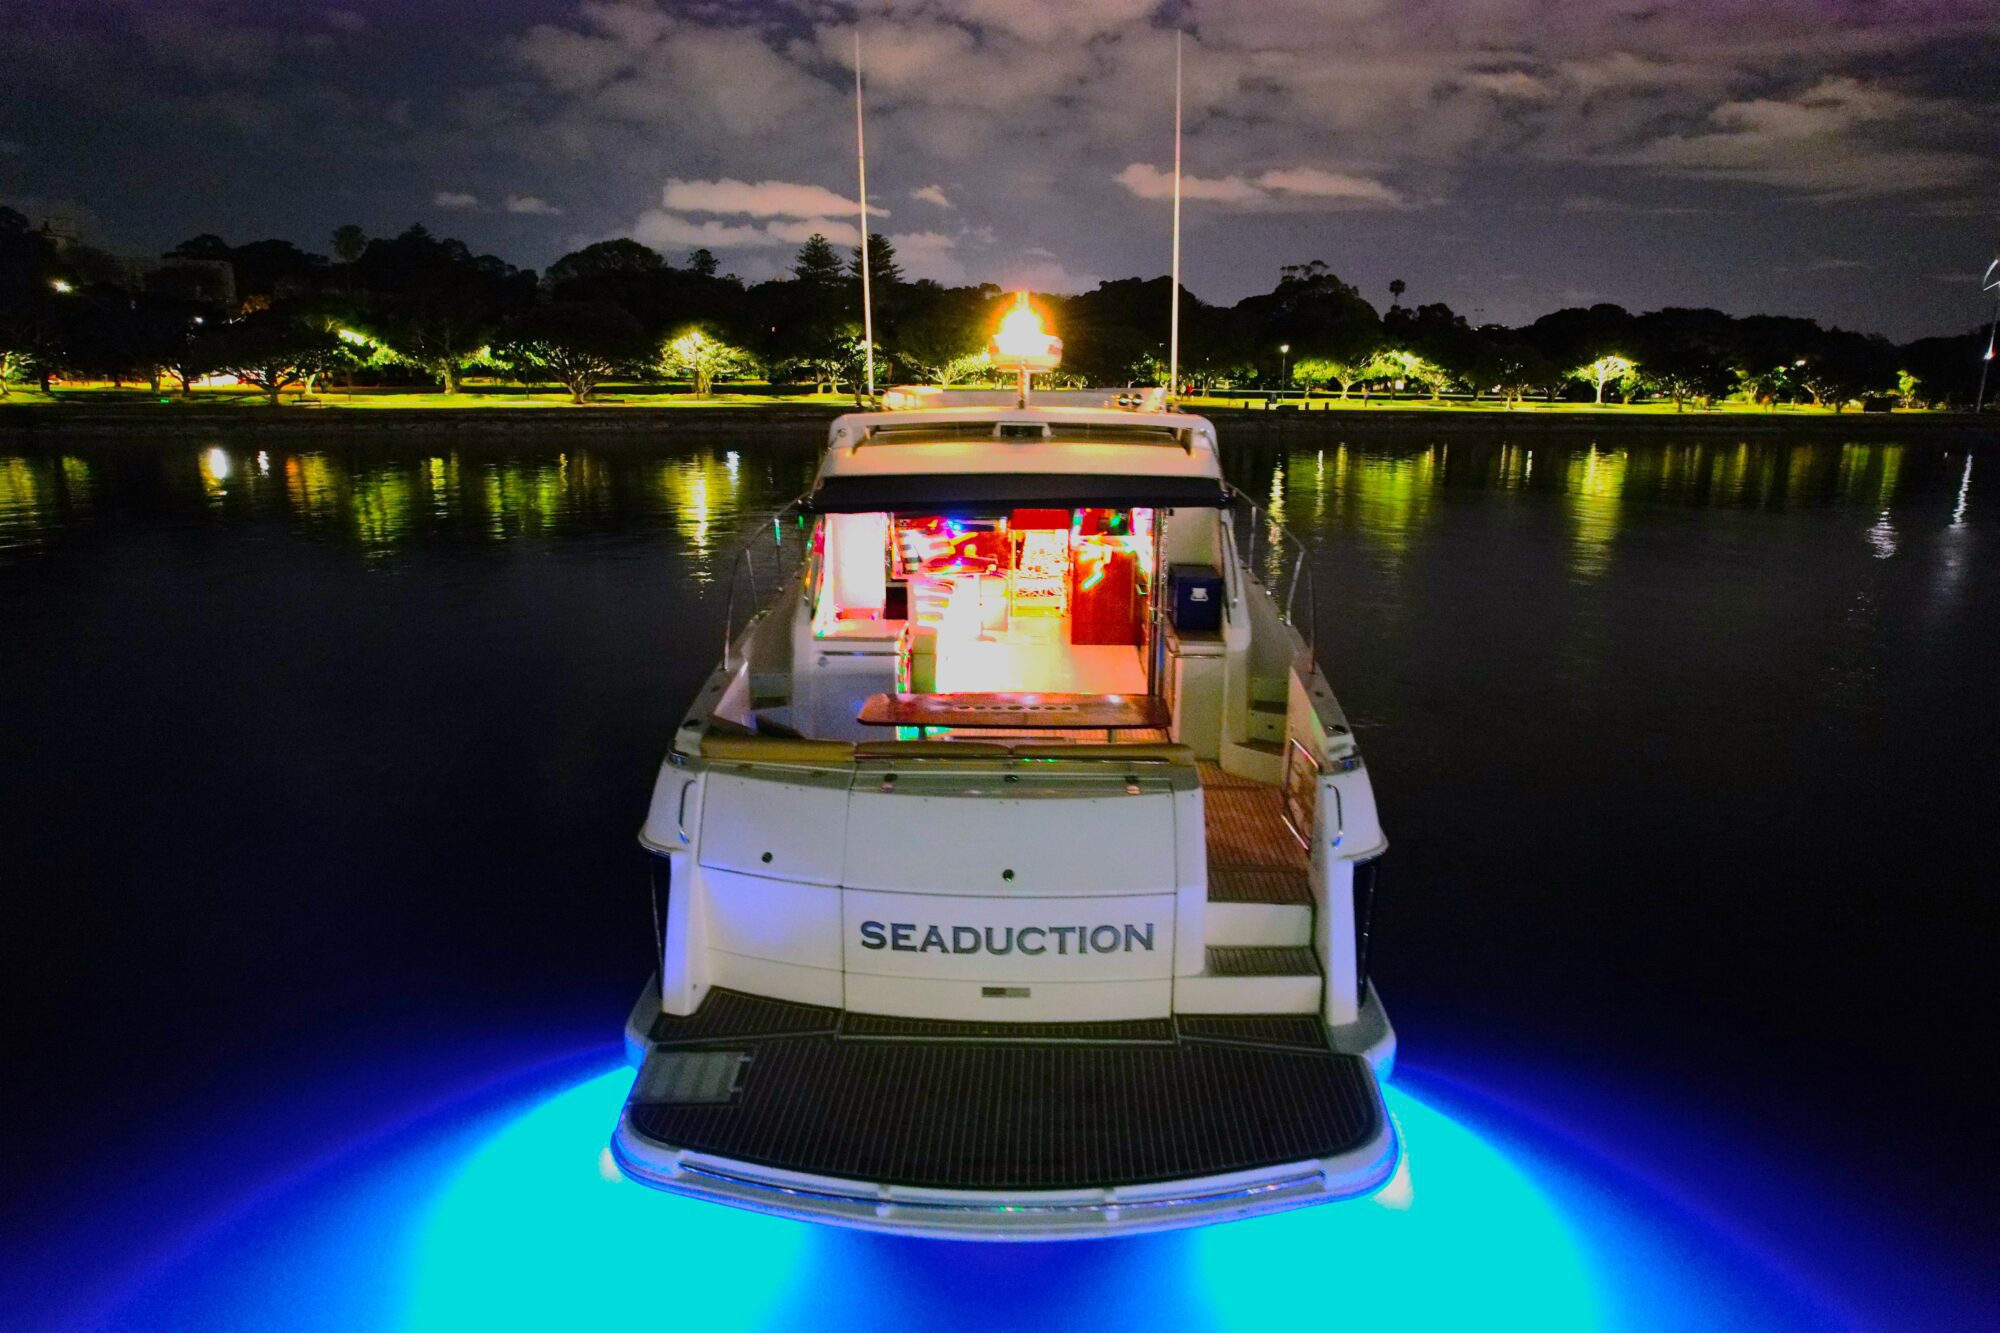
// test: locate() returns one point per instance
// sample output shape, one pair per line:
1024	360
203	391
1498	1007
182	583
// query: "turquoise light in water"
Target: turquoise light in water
509	1220
531	1233
1463	1240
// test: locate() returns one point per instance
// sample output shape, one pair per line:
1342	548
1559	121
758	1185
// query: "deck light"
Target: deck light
1023	345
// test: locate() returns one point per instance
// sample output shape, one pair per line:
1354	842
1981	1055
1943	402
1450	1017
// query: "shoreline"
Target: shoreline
146	420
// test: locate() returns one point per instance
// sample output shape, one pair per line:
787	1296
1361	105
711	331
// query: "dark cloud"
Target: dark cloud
1718	152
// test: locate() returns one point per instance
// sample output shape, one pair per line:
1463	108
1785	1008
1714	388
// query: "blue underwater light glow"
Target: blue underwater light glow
511	1220
1462	1239
534	1232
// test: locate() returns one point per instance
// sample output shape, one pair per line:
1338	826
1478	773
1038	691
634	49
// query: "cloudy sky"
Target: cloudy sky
1818	157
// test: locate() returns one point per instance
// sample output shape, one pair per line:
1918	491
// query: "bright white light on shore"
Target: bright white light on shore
61	286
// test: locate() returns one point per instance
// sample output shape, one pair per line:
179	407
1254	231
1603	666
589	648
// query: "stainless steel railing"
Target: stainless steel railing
785	543
1282	547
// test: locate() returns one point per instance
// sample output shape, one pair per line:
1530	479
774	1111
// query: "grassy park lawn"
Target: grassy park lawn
473	395
1449	404
482	394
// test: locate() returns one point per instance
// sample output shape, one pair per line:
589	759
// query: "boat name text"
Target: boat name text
904	937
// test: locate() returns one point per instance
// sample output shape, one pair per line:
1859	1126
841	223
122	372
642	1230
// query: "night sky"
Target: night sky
1835	160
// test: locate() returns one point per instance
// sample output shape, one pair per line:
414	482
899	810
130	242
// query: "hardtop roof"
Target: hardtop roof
988	440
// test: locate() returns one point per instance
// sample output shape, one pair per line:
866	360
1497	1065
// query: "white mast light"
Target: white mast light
1022	344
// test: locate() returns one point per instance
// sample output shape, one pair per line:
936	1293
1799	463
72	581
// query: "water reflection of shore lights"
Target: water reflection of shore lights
1883	537
1595	488
214	468
1393	497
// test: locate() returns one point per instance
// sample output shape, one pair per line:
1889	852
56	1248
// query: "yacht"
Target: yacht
1012	871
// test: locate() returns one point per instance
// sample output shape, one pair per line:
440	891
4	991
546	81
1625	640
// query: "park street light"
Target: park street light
61	287
1284	351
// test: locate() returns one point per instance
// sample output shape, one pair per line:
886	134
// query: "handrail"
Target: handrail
1301	571
741	561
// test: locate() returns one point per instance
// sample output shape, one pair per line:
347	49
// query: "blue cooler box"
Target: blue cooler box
1195	598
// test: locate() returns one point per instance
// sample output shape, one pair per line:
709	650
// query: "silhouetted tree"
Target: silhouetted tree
273	350
1844	366
816	262
884	273
437	304
1315	313
349	242
578	344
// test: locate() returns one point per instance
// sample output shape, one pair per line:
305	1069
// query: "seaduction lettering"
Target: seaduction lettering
1032	941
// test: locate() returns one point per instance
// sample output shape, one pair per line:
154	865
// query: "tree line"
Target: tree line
418	309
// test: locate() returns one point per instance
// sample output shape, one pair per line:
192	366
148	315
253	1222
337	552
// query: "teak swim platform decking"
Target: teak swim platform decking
1012	872
994	1106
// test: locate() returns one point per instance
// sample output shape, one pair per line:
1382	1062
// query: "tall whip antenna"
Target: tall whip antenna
861	161
1174	322
1988	283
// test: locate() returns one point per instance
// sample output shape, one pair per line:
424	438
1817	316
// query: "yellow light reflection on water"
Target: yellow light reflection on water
699	496
1594	488
314	486
22	509
443	481
383	500
1393	497
1869	473
36	495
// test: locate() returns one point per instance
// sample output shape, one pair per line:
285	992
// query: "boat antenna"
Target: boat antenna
1988	283
1174	319
861	163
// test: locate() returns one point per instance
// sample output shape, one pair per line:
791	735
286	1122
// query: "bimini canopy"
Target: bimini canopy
968	458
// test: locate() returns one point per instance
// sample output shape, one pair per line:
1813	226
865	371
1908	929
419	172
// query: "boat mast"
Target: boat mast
1174	320
861	163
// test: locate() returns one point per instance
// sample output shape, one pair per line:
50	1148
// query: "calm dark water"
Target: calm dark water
321	768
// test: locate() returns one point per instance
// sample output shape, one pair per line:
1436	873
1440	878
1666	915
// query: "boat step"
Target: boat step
1258	925
1260	760
1271	691
1268	885
1252	981
1292	962
1258	907
1267	721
